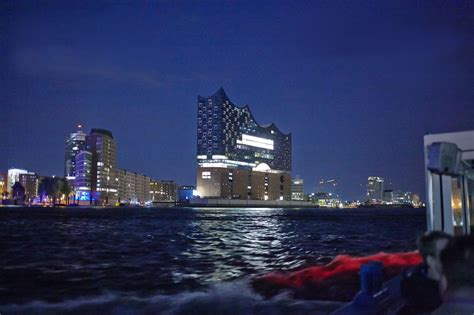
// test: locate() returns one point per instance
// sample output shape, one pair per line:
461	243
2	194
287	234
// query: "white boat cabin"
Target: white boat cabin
449	175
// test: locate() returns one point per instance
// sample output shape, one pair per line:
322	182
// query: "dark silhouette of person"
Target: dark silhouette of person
457	280
420	285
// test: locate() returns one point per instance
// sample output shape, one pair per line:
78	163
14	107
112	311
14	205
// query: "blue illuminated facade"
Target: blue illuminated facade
186	193
83	196
229	136
76	143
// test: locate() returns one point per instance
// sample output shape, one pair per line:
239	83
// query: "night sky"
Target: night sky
358	83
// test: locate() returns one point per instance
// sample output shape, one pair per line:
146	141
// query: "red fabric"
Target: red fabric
337	280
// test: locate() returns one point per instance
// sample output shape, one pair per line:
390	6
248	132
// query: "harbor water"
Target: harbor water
180	260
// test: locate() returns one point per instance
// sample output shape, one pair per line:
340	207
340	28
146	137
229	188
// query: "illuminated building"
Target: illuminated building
186	193
13	177
3	185
375	189
399	197
83	178
326	193
30	183
142	188
297	189
388	196
328	200
18	193
238	158
164	190
415	200
98	181
76	143
133	188
104	185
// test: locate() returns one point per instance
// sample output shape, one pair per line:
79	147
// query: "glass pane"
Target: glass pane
456	205
470	200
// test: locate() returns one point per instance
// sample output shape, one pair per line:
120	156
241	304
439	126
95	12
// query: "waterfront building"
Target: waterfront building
327	200
18	193
75	143
400	197
3	185
104	186
97	179
415	200
375	189
163	190
83	177
388	196
297	189
186	193
142	187
30	182
13	177
238	158
133	188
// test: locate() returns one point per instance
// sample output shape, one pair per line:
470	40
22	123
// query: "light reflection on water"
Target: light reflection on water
142	251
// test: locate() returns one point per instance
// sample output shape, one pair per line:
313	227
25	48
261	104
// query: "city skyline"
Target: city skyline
357	98
79	147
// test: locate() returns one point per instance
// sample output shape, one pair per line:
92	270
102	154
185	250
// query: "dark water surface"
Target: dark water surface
157	260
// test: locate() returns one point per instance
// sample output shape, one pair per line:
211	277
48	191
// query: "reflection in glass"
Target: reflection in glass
456	205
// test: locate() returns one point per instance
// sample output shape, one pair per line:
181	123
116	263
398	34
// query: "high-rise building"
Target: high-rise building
375	189
76	143
237	157
104	185
163	190
297	189
30	181
83	177
13	177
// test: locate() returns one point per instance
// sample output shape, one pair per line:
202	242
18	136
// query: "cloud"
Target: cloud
67	64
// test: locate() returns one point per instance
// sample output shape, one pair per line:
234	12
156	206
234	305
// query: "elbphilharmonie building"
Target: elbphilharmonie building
237	157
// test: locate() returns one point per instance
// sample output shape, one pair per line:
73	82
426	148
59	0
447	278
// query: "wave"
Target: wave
235	297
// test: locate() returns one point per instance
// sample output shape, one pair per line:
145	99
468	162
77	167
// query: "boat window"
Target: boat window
470	201
456	205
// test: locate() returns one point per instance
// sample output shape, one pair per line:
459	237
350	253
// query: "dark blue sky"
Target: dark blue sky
358	83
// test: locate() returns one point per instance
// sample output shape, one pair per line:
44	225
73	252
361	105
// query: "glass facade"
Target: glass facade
83	180
229	136
74	144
